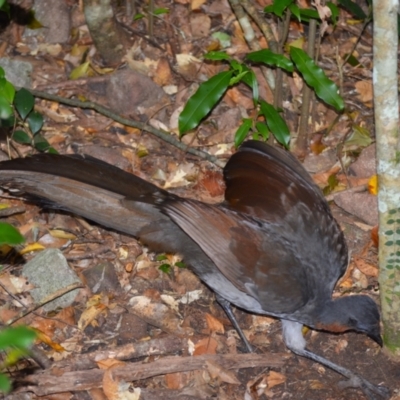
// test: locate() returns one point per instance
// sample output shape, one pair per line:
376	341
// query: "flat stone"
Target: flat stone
55	17
102	278
362	205
49	272
17	72
365	165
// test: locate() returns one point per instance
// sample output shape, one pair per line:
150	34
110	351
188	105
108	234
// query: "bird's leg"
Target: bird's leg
226	306
295	342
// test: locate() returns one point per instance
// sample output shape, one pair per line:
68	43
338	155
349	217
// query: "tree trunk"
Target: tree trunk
388	157
108	36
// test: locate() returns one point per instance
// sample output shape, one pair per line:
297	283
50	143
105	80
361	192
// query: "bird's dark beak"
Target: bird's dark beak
376	338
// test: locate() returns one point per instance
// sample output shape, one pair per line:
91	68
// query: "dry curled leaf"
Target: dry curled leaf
214	324
118	389
158	315
206	346
217	371
364	88
94	307
341	345
275	378
366	268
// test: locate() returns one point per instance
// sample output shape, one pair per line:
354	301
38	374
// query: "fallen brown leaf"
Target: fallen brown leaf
206	346
364	88
217	371
214	324
366	268
176	381
275	378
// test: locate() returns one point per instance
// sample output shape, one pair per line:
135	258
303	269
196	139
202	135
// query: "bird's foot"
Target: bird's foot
370	390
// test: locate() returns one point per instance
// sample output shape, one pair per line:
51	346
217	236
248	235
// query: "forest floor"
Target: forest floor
101	323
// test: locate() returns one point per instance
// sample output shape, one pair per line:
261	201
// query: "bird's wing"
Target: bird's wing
269	183
255	258
111	197
266	181
82	168
95	190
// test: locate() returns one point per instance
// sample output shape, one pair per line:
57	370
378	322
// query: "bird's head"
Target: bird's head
359	313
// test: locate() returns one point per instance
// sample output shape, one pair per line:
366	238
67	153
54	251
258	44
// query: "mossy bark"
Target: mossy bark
108	36
388	165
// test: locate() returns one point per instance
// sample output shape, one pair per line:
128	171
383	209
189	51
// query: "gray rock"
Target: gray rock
365	166
102	278
362	205
55	17
130	93
315	163
17	72
50	272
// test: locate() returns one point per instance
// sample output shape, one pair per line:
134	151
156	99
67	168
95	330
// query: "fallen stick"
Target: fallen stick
54	381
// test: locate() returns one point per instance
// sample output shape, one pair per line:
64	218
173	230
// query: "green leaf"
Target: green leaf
269	9
242	131
238	78
5	384
335	12
52	150
10	235
353	61
237	66
166	268
159	11
5	108
216	56
33	23
268	57
138	16
309	13
7	90
316	78
21	137
41	143
262	128
250	80
14	354
206	97
240	71
161	257
180	264
80	71
5	7
24	102
8	122
223	38
35	122
280	6
275	123
358	139
295	10
20	336
353	8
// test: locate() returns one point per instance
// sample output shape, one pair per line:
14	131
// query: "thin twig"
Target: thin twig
355	189
302	138
249	34
6	212
165	136
48	299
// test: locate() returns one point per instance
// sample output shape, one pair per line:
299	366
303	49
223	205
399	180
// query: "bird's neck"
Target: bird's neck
331	315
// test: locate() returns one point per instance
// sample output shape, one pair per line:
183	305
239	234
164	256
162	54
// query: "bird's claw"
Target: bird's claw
370	390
